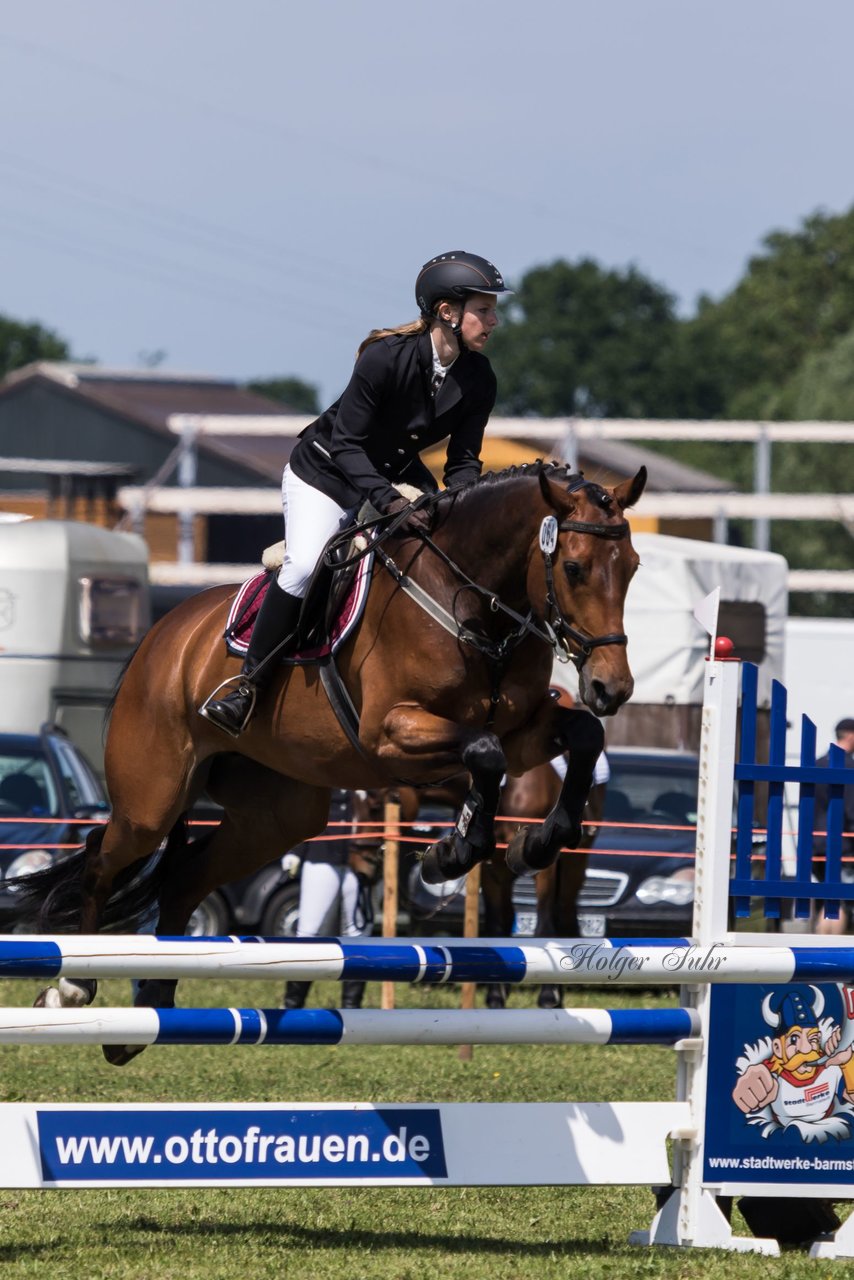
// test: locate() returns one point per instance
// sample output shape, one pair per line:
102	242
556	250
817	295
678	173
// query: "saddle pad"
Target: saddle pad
247	602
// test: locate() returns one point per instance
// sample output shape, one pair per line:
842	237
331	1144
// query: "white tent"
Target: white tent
667	646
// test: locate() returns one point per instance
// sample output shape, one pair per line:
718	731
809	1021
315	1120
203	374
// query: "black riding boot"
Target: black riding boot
352	993
296	994
277	620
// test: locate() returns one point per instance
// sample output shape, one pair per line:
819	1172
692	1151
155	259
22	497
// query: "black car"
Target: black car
640	878
49	796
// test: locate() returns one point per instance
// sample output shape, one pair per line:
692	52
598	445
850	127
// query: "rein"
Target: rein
555	631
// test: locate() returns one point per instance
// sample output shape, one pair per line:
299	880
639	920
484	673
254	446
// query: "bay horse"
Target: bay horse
448	670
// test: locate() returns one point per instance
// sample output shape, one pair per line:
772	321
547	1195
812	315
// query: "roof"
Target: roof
149	397
56	543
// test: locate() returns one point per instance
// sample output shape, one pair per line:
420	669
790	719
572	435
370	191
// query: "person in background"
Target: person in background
412	386
845	739
331	902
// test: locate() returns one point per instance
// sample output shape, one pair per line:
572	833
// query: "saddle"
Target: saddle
333	604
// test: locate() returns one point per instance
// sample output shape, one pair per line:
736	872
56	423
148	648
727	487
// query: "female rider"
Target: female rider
411	387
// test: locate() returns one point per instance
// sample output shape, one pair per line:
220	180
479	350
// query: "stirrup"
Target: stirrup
240	679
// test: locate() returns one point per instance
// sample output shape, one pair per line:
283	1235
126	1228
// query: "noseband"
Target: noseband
555	621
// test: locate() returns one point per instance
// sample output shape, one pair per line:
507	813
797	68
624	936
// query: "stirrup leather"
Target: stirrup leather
242	683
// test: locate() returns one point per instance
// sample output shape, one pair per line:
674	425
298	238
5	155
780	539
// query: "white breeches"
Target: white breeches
328	898
310	521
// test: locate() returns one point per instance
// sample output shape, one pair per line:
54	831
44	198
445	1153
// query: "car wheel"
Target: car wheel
210	918
281	914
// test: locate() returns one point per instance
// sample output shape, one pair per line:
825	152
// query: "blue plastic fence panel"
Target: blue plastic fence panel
774	814
773	886
746	797
833	886
806	823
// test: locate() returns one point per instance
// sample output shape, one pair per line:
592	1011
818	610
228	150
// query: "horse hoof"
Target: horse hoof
78	993
119	1055
495	998
48	999
550	997
515	855
519	858
441	862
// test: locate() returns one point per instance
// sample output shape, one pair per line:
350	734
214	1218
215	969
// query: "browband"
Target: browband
611	531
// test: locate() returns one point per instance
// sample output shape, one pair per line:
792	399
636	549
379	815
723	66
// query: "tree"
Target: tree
579	339
292	392
822	388
22	344
795	301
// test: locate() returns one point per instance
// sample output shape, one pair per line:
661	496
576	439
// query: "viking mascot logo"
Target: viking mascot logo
800	1077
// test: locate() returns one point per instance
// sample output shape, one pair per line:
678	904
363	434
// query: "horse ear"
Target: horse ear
546	490
629	491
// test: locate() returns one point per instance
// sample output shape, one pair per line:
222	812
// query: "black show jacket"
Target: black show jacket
373	435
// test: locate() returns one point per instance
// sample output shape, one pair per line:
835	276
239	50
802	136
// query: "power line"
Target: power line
176	276
148	213
541	208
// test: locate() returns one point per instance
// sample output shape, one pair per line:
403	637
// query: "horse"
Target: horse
448	669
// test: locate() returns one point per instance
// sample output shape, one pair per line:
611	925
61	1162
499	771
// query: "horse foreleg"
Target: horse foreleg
581	734
414	737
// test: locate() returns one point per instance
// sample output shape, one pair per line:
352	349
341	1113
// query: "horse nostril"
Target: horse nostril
600	690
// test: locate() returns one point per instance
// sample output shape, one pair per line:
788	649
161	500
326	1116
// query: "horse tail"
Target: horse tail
51	900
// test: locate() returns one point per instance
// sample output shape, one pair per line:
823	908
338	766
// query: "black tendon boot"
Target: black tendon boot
352	994
296	994
277	620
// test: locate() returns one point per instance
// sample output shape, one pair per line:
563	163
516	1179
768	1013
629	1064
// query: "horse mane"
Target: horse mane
557	471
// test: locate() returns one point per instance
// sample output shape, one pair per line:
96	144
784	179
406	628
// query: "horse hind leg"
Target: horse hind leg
76	894
497	887
265	815
64	900
550	995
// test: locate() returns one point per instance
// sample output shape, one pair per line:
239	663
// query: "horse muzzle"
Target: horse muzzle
601	693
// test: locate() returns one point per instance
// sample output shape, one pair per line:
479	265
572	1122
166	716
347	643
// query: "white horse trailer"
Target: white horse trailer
74	602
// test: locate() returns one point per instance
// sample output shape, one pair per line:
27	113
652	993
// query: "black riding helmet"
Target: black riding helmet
453	275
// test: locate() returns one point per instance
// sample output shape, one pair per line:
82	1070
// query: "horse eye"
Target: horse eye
572	570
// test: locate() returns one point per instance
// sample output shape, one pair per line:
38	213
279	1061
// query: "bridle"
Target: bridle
556	622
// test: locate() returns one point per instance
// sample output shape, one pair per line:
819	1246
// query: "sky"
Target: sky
244	188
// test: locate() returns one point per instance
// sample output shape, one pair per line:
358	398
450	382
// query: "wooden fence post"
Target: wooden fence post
471	929
391	864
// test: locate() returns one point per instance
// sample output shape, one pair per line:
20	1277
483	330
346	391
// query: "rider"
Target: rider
412	386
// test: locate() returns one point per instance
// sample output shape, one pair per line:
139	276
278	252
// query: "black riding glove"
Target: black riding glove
416	521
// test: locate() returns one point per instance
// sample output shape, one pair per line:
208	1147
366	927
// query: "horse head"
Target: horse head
581	577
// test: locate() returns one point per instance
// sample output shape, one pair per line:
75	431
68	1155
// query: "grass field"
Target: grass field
389	1233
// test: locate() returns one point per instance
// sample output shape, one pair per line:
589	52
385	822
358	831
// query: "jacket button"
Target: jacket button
414	435
401	451
386	466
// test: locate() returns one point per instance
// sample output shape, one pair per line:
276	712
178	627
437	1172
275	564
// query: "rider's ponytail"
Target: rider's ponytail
405	330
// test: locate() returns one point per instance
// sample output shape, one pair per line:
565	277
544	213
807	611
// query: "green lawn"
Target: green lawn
389	1233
